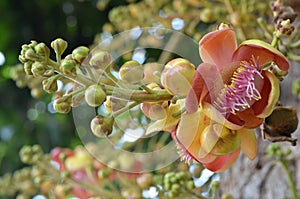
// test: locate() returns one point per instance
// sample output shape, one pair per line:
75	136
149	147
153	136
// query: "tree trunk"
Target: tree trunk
261	178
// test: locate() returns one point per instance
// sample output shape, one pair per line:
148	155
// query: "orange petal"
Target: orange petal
217	47
223	162
248	142
261	50
269	95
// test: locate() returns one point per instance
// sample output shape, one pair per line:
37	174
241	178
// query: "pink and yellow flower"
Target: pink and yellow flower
232	92
233	85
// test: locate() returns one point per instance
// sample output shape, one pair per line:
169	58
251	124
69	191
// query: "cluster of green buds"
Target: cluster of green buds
177	183
89	76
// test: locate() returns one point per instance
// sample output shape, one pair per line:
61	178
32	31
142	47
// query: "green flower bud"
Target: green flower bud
30	55
59	45
37	92
62	104
207	15
38	69
27	67
31	154
103	173
68	67
94	95
131	72
100	60
175	188
42	50
80	53
102	126
177	76
190	185
50	84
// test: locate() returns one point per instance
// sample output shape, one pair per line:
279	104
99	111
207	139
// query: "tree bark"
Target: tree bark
262	178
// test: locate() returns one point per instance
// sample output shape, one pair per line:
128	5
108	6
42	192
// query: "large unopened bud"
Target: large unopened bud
59	45
94	95
102	126
219	140
80	53
100	60
177	76
131	72
155	111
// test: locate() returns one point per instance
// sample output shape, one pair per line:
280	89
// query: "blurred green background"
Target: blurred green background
23	119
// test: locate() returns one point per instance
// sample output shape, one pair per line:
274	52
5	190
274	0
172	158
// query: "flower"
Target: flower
232	92
215	146
233	84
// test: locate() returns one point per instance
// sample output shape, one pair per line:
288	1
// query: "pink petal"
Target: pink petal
217	47
262	51
223	162
207	80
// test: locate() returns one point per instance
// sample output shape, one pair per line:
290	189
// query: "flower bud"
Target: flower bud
50	84
36	92
100	60
131	72
152	73
42	50
59	45
103	173
102	126
80	53
177	76
68	67
62	104
27	67
113	104
145	180
207	15
31	154
38	69
154	111
94	95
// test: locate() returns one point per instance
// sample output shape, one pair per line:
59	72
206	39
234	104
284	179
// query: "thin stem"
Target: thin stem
295	44
90	73
293	56
289	178
122	110
97	190
148	90
276	37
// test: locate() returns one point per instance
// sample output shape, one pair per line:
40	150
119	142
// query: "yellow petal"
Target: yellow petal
169	122
273	96
248	142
